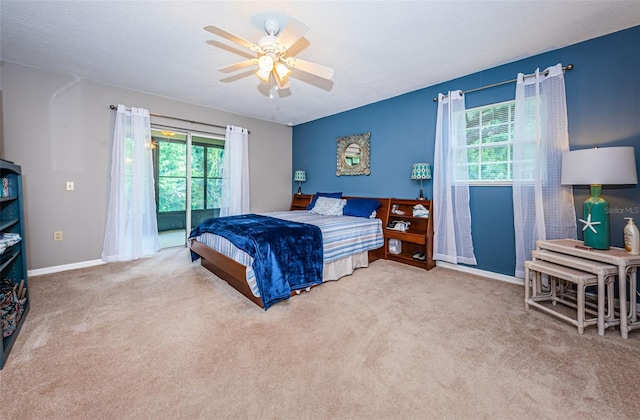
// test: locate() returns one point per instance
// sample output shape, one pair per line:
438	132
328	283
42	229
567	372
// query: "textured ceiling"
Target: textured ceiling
379	49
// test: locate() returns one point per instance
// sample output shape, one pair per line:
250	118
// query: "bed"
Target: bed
347	243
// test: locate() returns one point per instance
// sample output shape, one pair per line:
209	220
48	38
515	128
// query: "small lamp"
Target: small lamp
596	167
300	176
421	171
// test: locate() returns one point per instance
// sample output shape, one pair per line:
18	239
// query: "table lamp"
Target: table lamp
300	176
596	167
421	171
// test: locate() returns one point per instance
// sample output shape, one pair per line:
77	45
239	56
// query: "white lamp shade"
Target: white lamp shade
265	63
264	75
300	176
599	166
282	71
421	171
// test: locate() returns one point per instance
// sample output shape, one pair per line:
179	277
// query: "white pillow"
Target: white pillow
328	206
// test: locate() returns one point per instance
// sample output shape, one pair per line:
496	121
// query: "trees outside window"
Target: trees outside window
490	142
171	174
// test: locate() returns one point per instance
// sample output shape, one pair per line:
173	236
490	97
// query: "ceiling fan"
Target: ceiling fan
272	60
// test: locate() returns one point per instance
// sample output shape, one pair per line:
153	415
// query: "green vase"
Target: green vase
598	208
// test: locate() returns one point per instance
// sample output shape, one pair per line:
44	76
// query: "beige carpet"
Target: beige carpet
163	338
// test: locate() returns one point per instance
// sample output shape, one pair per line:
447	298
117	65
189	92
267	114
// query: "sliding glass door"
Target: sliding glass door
188	182
206	178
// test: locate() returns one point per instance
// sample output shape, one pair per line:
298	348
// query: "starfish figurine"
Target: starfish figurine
589	224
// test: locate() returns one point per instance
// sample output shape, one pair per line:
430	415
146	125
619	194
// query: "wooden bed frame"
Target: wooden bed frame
235	273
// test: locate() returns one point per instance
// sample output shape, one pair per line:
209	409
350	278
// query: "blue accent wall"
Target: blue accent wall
603	106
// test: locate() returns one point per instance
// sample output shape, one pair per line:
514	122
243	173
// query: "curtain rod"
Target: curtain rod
569	67
180	119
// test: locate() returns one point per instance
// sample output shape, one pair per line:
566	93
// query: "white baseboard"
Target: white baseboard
497	276
66	267
74	266
483	273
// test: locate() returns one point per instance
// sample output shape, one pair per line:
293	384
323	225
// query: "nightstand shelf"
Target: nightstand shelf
300	201
408	236
418	238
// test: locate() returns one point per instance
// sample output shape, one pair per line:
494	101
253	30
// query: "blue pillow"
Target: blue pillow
319	194
360	207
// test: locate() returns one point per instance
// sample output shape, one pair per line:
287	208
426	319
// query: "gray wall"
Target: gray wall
60	128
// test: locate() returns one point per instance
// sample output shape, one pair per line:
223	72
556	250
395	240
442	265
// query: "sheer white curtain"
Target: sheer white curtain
452	218
132	230
235	172
543	208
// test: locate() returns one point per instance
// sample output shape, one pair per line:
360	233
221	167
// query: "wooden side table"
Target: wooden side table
300	201
627	269
605	273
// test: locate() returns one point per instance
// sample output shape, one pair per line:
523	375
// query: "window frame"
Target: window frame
206	179
486	145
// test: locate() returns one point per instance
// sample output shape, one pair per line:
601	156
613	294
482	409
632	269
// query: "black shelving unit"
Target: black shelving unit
13	261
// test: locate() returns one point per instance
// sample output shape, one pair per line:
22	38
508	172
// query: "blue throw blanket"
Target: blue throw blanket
286	255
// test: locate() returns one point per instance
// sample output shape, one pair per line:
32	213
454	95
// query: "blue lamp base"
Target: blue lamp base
596	220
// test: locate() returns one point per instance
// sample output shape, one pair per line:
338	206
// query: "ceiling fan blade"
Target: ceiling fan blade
231	37
291	33
238	66
309	67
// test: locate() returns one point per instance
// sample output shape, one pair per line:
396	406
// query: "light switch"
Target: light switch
70	186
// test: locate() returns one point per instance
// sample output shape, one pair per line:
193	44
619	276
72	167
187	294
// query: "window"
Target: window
206	176
206	173
489	131
172	182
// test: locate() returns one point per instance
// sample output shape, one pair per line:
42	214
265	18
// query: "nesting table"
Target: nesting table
627	269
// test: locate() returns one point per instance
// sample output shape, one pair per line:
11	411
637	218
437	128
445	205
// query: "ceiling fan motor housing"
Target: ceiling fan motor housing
269	44
272	26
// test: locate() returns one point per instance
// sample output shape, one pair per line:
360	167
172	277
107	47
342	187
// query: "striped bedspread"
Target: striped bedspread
342	236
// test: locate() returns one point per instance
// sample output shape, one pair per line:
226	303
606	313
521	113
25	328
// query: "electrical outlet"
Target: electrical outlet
57	235
70	186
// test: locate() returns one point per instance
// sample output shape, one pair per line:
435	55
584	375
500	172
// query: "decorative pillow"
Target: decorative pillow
320	194
328	206
361	207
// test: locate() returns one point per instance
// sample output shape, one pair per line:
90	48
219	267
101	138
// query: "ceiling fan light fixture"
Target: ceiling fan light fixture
282	71
271	51
264	75
265	63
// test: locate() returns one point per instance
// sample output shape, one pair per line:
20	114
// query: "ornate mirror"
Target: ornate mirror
353	154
